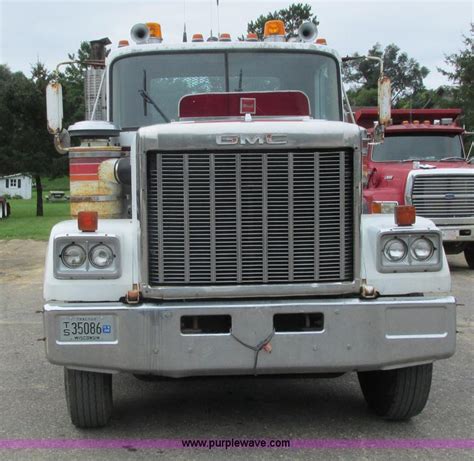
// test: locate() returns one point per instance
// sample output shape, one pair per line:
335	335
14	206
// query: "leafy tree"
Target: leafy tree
72	80
25	143
462	75
293	17
405	73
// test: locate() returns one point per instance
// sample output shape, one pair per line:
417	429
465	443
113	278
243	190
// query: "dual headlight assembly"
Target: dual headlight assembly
88	258
409	251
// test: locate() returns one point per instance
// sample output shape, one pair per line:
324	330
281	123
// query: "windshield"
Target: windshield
146	89
396	148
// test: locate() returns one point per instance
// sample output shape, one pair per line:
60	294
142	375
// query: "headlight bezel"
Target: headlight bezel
87	270
409	263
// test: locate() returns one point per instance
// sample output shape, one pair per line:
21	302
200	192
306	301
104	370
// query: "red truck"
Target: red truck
422	162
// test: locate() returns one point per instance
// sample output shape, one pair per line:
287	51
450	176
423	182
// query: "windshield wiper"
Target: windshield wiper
147	98
411	160
451	159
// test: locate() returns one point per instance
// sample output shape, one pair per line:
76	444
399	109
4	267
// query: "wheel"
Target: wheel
88	397
397	394
469	255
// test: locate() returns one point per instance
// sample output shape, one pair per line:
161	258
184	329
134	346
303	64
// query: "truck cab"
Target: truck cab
217	230
422	163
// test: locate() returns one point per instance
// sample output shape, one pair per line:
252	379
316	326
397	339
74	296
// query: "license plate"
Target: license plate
449	234
87	328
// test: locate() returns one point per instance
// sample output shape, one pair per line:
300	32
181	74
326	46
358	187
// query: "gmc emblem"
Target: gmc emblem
233	139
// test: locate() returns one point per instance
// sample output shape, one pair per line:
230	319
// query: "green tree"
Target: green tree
362	75
461	73
293	17
72	80
25	143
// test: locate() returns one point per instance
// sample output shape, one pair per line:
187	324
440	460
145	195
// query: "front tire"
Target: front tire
469	255
397	394
88	397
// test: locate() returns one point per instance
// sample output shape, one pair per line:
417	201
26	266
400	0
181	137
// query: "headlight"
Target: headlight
85	256
73	256
422	249
395	250
409	250
101	256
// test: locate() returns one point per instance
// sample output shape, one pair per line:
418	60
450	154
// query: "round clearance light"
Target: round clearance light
422	249
101	256
395	250
73	256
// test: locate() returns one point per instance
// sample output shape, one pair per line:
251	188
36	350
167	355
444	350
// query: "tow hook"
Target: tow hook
368	291
133	295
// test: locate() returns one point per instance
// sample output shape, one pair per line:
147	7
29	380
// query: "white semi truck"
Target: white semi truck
217	229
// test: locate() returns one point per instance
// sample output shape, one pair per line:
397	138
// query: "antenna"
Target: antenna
210	15
218	20
185	35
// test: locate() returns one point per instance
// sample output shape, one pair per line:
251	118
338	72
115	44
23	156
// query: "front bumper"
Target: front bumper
456	232
357	335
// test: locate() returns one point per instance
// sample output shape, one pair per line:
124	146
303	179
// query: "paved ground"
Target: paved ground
32	403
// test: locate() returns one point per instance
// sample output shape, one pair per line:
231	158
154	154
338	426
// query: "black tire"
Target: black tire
469	255
397	394
88	397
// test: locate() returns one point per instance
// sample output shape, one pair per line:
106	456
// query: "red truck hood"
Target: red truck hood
390	178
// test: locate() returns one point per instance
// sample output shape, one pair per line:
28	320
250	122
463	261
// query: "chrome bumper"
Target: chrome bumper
357	335
456	232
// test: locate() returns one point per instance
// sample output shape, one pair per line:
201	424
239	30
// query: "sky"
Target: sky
427	30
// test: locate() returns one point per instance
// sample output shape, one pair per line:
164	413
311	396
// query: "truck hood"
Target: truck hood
388	179
281	134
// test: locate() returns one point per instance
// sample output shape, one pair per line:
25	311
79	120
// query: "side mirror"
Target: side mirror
378	133
54	107
384	100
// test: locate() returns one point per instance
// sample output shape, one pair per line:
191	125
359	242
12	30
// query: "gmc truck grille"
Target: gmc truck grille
250	218
444	196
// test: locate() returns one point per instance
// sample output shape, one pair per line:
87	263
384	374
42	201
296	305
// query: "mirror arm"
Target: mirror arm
344	93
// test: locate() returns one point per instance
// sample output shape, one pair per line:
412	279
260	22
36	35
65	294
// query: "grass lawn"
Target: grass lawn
23	222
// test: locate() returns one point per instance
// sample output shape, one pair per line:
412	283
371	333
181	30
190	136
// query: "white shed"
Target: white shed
16	184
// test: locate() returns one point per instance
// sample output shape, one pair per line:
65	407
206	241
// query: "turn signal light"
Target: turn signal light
122	43
274	27
155	30
87	221
376	207
405	215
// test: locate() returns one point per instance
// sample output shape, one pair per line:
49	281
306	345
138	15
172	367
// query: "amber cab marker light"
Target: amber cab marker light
405	215
87	221
225	37
123	43
321	41
197	38
252	37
